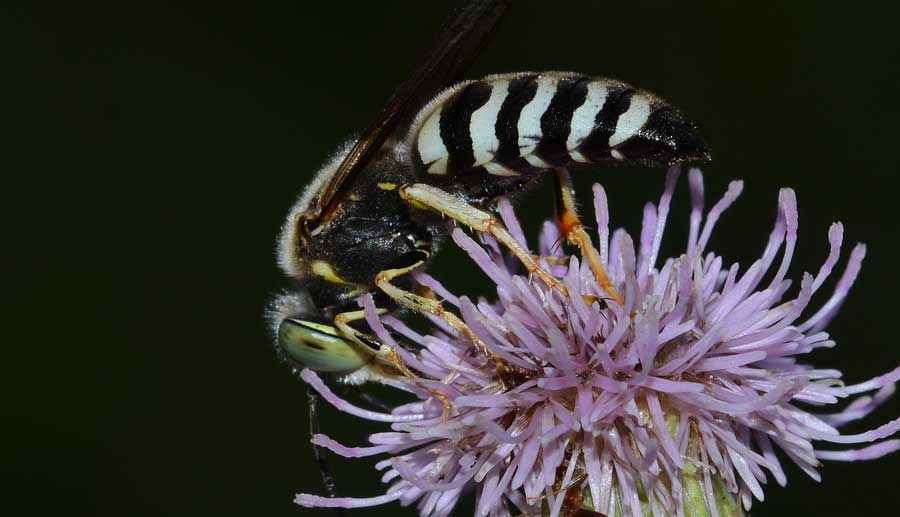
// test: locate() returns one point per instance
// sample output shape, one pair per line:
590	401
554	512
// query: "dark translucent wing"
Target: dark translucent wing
459	43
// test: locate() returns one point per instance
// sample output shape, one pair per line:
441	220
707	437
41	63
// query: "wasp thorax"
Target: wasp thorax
365	229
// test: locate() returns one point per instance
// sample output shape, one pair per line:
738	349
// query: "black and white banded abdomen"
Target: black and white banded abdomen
527	123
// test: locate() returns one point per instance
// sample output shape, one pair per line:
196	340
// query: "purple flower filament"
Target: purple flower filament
685	391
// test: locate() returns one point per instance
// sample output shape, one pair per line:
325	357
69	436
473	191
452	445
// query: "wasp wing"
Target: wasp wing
459	43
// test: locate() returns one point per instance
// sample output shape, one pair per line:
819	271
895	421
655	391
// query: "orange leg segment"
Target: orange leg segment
571	227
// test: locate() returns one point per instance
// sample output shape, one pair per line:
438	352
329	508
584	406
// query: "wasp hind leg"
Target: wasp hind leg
571	227
428	197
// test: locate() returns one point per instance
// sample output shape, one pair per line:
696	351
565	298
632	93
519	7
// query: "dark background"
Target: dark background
150	152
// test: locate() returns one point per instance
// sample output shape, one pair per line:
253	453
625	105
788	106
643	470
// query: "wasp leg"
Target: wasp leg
424	305
312	399
571	227
432	198
343	322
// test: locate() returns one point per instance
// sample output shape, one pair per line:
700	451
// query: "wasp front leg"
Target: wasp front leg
343	322
425	196
351	355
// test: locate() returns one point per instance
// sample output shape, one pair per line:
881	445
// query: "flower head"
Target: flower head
675	400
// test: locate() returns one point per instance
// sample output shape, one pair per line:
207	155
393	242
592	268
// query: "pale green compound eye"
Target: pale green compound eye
320	347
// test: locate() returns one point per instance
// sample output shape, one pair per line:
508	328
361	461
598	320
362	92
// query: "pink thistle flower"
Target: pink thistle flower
673	404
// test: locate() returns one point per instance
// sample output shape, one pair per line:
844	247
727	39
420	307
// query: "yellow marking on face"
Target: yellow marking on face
354	197
386	185
323	269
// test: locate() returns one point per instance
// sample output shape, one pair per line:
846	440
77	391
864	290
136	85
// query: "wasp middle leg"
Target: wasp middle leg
432	198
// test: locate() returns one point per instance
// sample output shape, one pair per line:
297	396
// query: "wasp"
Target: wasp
441	152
